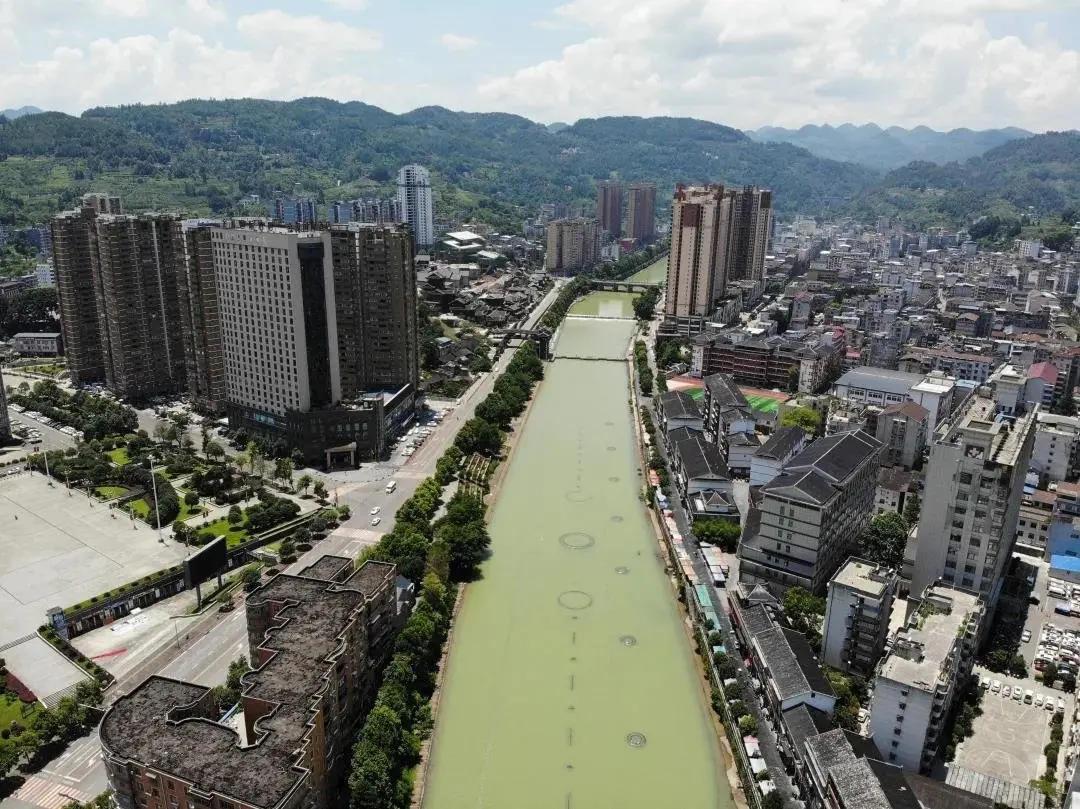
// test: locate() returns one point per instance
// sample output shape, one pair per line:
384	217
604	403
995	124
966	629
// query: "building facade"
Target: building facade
572	245
318	641
809	517
751	228
641	213
75	250
857	609
204	350
974	484
415	203
609	207
38	344
697	263
926	669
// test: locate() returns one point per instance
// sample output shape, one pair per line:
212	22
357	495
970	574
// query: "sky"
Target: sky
744	63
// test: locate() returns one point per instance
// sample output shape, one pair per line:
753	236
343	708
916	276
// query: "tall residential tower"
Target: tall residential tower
641	212
416	207
609	207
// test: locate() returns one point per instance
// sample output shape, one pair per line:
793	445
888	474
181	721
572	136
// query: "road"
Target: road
202	648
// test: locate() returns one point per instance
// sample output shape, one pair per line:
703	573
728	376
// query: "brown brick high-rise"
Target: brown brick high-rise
75	263
609	207
641	212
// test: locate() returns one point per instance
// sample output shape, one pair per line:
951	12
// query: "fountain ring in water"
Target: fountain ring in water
575	600
628	640
622	570
577	541
635	739
617	518
578	496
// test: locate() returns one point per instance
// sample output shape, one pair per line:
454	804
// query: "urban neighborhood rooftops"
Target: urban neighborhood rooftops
791	663
781	443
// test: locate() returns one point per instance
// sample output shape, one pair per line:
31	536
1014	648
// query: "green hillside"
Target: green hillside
208	156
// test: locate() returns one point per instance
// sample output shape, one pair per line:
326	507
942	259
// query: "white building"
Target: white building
414	200
857	608
916	684
974	482
1008	384
44	276
770	459
1057	444
883	387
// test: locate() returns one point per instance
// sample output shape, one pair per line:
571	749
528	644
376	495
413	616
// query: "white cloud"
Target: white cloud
122	8
778	62
207	12
457	42
308	35
349	5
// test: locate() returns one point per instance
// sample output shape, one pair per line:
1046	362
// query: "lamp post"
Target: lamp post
157	511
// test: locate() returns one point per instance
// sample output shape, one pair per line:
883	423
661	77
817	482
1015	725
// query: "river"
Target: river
571	683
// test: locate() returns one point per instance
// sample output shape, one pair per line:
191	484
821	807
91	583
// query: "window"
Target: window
894	743
892	756
902	706
897	731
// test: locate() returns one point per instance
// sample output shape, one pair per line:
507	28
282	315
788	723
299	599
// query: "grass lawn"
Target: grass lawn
187	512
139	507
234	534
109	492
763	404
119	455
11	710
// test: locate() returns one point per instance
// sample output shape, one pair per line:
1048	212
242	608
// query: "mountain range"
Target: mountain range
203	156
19	112
884	149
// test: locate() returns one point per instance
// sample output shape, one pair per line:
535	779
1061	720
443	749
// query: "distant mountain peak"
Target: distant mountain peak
19	112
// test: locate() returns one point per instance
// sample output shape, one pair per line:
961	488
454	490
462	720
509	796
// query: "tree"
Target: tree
249	578
773	800
302	535
236	515
809	420
883	540
319	524
793	379
912	509
1050	674
805	612
191	498
304	483
319	489
718	532
9	756
283	470
747	725
477	435
28	743
214	450
287	550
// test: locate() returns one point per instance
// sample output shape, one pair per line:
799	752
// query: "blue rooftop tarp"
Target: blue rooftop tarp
1062	562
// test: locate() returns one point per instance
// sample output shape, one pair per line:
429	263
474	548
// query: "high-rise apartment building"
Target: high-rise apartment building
139	260
292	211
200	312
925	670
641	212
318	641
974	484
717	236
417	208
609	207
74	237
102	203
697	264
751	229
375	295
5	421
572	245
287	336
808	518
857	609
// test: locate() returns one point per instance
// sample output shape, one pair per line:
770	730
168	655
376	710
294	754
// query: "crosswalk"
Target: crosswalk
48	795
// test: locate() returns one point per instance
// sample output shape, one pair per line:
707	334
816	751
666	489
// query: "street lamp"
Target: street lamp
157	511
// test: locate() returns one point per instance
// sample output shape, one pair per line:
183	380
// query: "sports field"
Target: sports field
763	401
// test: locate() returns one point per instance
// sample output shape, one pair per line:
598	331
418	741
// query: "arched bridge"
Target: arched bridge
622	286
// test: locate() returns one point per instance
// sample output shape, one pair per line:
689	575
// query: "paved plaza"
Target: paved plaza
59	547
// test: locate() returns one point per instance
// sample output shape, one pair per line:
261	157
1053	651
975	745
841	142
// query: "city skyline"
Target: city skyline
975	63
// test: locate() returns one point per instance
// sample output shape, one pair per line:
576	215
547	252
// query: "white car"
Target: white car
1006	691
376	521
376	510
995	686
984	683
1038	700
1025	636
1018	693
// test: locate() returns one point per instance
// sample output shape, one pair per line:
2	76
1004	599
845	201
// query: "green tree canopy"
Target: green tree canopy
883	540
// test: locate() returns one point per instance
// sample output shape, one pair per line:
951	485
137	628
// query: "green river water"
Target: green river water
657	271
571	683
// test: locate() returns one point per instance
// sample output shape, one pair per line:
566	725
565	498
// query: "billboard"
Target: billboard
207	563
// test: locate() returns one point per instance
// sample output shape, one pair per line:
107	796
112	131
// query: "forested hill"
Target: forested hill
203	156
1041	172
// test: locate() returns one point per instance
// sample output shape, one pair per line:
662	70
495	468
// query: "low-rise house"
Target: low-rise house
894	483
769	460
678	409
697	464
903	429
38	344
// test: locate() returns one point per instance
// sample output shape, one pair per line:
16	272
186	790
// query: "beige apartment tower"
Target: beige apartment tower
572	245
751	224
609	207
697	264
204	352
641	212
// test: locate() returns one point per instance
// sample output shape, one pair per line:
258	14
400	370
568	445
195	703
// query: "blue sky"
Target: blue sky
944	63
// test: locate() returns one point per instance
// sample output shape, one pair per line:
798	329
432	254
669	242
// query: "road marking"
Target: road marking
48	795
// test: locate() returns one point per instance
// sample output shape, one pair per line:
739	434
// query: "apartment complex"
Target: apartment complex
857	608
117	281
298	332
74	237
925	670
375	297
806	520
609	207
415	205
572	245
641	212
760	362
717	236
200	311
974	484
102	203
317	643
140	259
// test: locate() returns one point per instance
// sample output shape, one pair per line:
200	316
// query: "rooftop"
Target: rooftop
700	459
791	663
881	379
922	647
836	457
978	418
678	404
148	726
863	577
782	443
